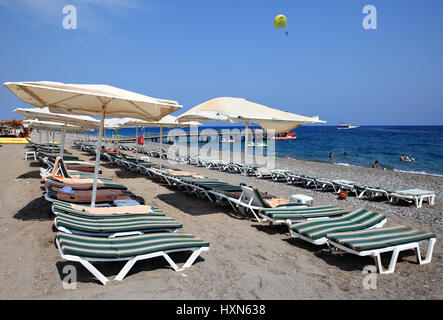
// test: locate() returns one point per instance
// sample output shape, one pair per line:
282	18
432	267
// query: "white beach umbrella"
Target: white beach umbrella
166	122
237	110
45	115
54	126
92	100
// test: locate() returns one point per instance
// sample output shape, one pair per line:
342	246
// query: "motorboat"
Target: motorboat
346	126
258	144
285	136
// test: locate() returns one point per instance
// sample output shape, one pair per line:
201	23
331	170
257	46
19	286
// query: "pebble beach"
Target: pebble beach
247	260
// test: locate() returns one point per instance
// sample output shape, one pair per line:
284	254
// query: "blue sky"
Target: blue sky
195	50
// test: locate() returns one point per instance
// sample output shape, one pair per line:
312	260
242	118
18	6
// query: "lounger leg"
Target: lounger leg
432	200
255	215
94	271
418	201
428	253
192	258
128	266
171	262
392	263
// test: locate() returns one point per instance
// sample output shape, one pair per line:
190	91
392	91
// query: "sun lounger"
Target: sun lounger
86	249
105	212
81	184
252	200
263	173
58	167
375	242
315	231
416	196
324	184
113	227
346	185
373	192
290	215
279	175
85	196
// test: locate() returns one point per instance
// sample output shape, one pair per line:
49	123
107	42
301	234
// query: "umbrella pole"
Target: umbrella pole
47	136
161	152
62	142
53	140
97	157
40	135
136	144
246	152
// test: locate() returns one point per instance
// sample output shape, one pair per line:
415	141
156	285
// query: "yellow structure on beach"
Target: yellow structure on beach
13	141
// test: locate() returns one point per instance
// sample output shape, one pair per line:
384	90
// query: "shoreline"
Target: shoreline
427	215
339	162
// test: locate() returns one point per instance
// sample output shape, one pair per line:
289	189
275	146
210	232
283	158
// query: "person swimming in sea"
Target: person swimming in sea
402	157
345	154
331	155
409	159
375	165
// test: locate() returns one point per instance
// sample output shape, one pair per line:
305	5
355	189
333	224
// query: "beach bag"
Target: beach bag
342	195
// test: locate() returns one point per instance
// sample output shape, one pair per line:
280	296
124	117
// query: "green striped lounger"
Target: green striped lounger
116	226
315	231
376	241
61	207
292	215
86	249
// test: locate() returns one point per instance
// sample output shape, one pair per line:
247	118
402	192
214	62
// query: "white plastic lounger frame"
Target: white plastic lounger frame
219	197
289	221
373	193
86	262
376	254
325	185
324	240
345	187
245	202
418	200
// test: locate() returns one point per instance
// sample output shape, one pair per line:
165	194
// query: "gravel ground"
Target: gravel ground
247	260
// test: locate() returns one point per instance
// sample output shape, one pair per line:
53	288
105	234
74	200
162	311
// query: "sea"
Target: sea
363	145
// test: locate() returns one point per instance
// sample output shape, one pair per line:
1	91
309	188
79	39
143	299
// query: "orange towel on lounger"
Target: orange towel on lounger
274	202
183	173
141	209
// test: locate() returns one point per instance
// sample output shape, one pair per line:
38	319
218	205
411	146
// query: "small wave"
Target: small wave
342	163
419	172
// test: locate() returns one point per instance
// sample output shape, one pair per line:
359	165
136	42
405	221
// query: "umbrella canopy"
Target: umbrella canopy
89	99
92	100
241	110
46	115
166	122
48	125
237	110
